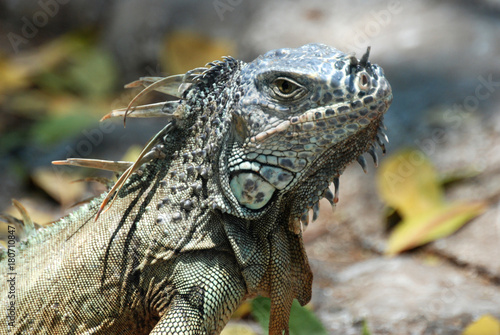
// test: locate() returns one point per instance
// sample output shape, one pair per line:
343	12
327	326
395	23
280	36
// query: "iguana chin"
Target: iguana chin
212	212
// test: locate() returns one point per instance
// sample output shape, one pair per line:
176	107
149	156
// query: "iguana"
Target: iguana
212	212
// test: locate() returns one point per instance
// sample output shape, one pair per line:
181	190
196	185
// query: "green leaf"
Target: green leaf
18	72
365	330
89	72
302	320
93	73
261	307
54	128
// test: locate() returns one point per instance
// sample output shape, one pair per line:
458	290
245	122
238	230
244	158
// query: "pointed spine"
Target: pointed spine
374	156
336	183
362	162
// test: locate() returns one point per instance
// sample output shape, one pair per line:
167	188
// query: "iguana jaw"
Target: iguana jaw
255	177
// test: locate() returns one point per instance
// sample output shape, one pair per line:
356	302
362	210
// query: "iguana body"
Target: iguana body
214	214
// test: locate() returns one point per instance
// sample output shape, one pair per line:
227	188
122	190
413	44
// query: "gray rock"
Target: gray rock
401	296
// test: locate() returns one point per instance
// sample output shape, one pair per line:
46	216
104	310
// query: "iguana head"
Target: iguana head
301	116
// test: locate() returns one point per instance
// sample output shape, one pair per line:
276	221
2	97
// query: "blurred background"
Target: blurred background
63	64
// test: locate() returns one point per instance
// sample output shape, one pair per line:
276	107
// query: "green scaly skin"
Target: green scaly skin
215	216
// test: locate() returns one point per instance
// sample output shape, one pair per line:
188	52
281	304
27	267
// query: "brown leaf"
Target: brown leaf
59	185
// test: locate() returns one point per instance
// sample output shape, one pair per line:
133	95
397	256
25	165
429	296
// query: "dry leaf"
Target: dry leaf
409	183
243	310
186	50
17	72
59	185
235	329
37	213
426	227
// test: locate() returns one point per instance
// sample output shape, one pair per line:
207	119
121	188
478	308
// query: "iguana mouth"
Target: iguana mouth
251	190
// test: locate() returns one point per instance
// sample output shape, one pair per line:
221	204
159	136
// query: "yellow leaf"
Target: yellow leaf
485	325
13	77
186	50
243	310
235	329
429	226
132	153
409	183
432	260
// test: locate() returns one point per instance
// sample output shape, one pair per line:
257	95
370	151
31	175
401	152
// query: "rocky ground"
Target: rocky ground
442	58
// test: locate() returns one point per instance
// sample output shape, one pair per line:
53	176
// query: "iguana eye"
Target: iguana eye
285	88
